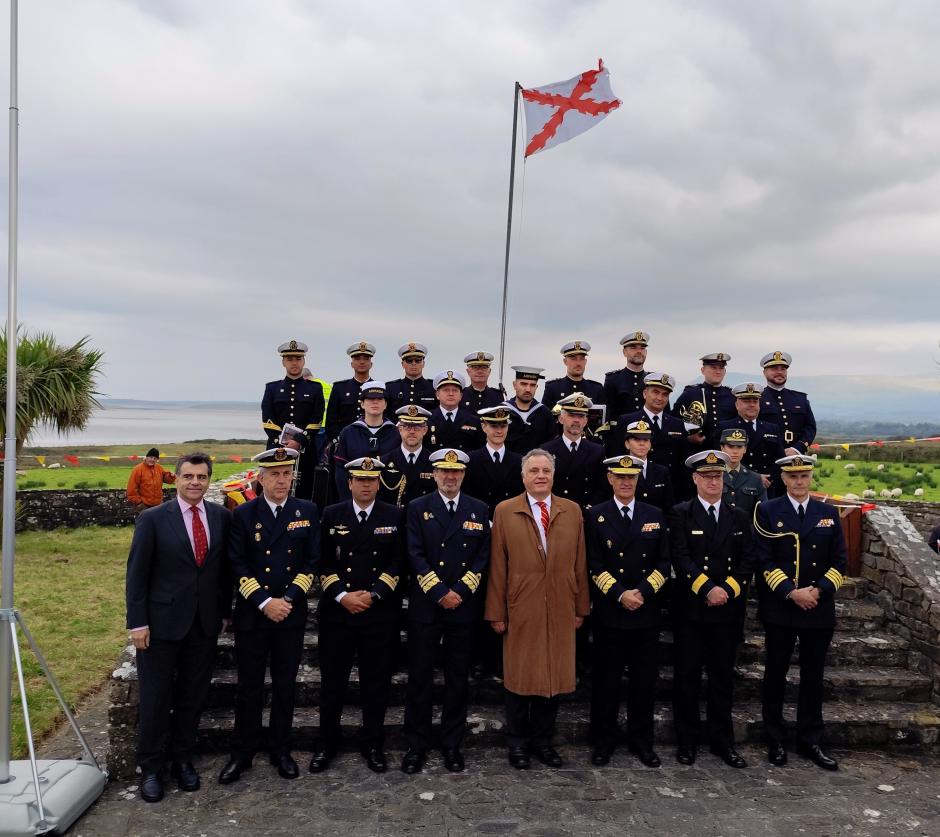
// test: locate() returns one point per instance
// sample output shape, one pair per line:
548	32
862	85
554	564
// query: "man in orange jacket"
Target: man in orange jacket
145	486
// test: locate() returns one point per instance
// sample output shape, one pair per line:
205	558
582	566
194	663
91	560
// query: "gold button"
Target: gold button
349	569
442	563
375	552
266	587
621	555
348	585
288	552
267	552
288	569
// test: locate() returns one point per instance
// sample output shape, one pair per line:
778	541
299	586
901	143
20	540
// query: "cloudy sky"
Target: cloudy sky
203	180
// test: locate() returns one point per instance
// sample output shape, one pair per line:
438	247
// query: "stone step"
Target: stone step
849	684
913	725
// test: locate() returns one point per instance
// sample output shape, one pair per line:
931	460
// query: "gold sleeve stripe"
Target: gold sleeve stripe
656	580
428	582
733	584
304	581
698	583
774	578
247	586
270	425
835	577
472	580
390	580
604	581
312	427
327	580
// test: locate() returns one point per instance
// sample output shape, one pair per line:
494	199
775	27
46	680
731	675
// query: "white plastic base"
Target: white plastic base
68	788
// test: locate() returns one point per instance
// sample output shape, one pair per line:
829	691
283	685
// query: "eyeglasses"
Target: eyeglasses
414	360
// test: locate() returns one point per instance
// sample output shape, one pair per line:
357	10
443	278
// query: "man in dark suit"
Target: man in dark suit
801	560
449	548
654	484
345	406
708	402
360	550
579	462
274	551
451	425
713	558
788	408
413	388
623	388
628	560
764	439
479	395
407	472
178	592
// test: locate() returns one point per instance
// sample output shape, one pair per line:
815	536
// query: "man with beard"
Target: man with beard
532	422
345	406
574	355
623	388
708	403
579	462
789	409
407	472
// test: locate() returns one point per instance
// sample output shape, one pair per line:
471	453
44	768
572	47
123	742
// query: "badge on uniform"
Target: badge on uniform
779	524
610	543
698	532
428	515
473	516
342	529
257	526
297	513
600	518
650	527
825	523
257	536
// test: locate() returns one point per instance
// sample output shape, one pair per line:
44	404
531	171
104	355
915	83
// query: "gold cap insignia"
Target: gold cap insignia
481	355
363	347
626	462
577	345
293	345
778	355
579	401
412	347
665	380
638	336
737	436
450	373
280	455
367	464
501	414
751	388
642	426
711	459
720	356
412	410
451	456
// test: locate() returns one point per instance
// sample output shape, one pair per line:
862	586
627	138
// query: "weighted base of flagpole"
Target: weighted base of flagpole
69	787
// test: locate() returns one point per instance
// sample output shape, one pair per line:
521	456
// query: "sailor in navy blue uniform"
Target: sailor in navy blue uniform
764	439
789	409
580	474
372	435
707	403
574	355
451	424
801	564
274	552
654	484
744	488
407	472
413	388
670	443
298	401
449	549
345	406
623	388
713	558
361	549
479	394
532	423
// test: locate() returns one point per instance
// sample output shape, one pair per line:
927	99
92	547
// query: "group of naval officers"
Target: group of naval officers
684	504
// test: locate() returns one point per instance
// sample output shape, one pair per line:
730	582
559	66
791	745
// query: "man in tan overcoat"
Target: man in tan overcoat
537	598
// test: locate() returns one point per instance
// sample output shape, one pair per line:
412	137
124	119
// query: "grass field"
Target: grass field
69	587
832	477
103	476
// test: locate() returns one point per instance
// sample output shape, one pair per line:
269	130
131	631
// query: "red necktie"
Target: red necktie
200	541
544	509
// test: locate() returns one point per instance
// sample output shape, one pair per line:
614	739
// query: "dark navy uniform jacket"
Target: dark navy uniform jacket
531	429
559	388
271	558
404	391
580	476
706	556
743	490
621	558
418	478
344	407
623	392
361	556
475	400
655	487
670	446
446	553
789	409
358	440
463	433
718	402
764	445
291	401
820	561
492	483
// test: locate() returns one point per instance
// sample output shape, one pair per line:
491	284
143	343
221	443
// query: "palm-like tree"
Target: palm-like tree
55	384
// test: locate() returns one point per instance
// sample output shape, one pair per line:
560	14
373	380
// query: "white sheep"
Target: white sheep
919	474
838	457
869	494
849	466
850	496
885	493
56	465
896	492
918	492
881	466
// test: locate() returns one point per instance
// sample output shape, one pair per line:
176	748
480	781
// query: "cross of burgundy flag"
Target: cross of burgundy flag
559	112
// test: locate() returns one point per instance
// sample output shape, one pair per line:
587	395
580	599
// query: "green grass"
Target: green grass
102	475
832	477
69	587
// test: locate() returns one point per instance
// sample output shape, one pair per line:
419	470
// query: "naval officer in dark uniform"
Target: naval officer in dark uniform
298	401
623	388
413	388
372	435
532	423
345	406
274	552
407	472
707	403
580	474
789	409
479	395
801	564
361	545
654	484
764	439
744	488
574	355
449	549
451	424
713	557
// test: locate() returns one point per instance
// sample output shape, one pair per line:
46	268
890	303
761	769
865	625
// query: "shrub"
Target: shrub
82	484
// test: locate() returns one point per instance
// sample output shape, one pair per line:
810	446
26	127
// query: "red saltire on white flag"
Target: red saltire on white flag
559	112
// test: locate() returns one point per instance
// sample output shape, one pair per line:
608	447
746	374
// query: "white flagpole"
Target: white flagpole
512	180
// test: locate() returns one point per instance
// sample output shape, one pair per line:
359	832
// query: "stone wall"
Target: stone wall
52	509
924	516
905	574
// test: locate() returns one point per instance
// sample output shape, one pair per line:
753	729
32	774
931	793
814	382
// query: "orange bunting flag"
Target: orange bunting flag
133	456
235	458
71	458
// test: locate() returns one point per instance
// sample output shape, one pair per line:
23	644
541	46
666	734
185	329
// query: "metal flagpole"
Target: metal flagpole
512	181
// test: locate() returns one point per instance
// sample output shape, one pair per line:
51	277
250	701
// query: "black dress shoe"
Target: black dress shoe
776	755
185	774
519	758
600	756
547	755
320	760
818	756
151	788
453	759
413	761
286	766
685	755
233	770
478	672
646	755
375	760
729	756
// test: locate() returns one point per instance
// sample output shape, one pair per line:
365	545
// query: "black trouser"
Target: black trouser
530	719
306	471
712	646
253	649
487	644
423	643
373	646
173	675
779	644
614	648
